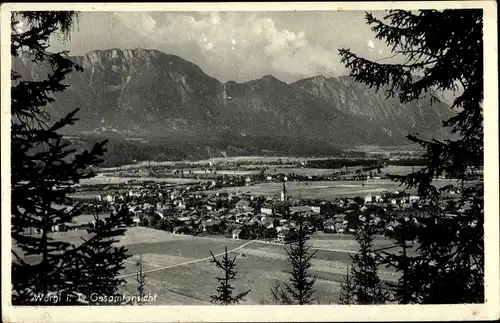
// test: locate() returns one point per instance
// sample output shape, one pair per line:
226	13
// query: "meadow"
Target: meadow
179	270
327	190
107	179
318	189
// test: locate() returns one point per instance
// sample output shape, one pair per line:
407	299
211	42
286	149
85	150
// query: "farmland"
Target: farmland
328	190
181	272
106	179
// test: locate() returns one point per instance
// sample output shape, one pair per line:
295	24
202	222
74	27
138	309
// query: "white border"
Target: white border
262	313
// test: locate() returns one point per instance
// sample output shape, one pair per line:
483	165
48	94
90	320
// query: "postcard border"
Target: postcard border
263	313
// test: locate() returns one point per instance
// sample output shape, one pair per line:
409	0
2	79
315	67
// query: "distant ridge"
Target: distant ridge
151	94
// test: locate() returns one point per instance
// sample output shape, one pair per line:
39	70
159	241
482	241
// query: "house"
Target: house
300	209
211	225
236	233
282	235
329	226
184	219
266	210
304	210
268	224
339	218
316	209
136	220
414	199
369	199
241	204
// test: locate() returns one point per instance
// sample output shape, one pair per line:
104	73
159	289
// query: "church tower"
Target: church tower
283	193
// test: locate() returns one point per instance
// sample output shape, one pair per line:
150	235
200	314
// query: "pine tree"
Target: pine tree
141	282
347	289
300	291
402	261
368	287
43	167
224	292
442	50
279	296
98	260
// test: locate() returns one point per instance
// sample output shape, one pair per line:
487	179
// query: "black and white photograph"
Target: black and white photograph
263	155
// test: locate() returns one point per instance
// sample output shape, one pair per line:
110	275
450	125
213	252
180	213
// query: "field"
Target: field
229	172
105	179
325	189
399	170
180	273
319	189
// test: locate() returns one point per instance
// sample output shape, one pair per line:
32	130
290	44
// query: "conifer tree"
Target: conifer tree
279	296
347	294
402	291
439	50
224	292
43	168
300	291
98	260
368	287
141	282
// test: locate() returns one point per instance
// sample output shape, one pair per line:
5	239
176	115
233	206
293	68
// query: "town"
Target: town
202	208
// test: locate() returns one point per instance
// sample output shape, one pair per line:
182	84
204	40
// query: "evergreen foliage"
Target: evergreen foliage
438	51
224	292
43	169
141	282
300	291
279	296
347	289
368	287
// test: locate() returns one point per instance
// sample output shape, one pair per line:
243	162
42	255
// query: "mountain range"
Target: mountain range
144	93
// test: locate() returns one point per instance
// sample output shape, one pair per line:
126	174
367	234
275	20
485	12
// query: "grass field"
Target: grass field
325	189
179	271
319	189
299	171
105	179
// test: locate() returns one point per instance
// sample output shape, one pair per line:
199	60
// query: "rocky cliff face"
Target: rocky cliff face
150	93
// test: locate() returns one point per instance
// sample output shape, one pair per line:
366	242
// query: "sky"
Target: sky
238	46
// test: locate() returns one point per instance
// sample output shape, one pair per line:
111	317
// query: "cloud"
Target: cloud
236	46
247	41
371	45
149	23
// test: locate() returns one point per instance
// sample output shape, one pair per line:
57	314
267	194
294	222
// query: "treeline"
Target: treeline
365	162
122	152
342	163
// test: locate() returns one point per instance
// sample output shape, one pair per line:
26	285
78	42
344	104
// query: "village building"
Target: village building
236	233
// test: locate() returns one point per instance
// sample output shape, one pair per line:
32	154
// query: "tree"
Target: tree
403	289
347	289
224	292
141	282
97	262
442	50
368	287
359	200
300	291
43	168
279	296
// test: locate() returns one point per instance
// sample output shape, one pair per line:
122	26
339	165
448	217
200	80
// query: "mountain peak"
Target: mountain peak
168	96
270	78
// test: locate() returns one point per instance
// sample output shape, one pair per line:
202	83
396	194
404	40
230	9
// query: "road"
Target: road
188	262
